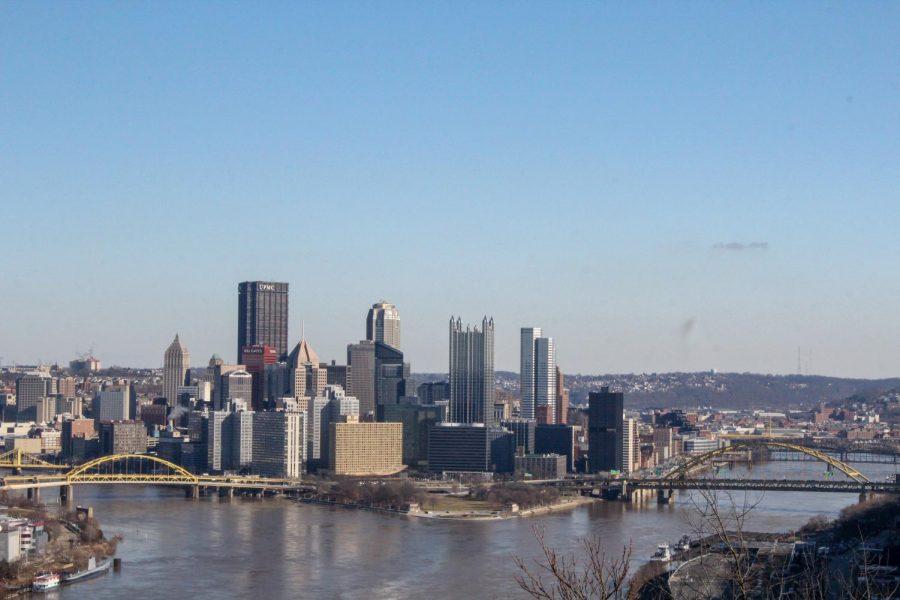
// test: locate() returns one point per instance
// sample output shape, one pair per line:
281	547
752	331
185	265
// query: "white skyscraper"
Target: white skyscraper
631	447
383	324
526	370
537	376
176	362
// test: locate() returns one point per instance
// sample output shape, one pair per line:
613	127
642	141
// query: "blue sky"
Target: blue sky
598	169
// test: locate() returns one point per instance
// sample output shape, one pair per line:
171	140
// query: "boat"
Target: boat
43	583
93	569
663	554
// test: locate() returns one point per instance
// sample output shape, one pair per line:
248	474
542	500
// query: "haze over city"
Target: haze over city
684	188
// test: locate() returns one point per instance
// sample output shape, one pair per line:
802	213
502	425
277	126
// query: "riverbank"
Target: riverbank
59	544
477	513
175	547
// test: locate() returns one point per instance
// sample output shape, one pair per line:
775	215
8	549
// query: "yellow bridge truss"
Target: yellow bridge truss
682	470
16	459
130	468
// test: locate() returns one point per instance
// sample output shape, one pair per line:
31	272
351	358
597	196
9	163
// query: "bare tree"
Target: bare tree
598	576
725	524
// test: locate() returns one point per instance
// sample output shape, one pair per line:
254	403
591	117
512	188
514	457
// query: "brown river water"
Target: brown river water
178	548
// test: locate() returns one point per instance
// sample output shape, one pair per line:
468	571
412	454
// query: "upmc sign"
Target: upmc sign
266	287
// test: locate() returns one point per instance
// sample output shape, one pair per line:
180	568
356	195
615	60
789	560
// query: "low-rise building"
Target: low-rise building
541	466
374	449
700	445
28	445
123	437
470	448
51	441
10	543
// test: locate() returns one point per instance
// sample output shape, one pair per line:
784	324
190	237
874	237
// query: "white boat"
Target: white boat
93	569
663	554
43	583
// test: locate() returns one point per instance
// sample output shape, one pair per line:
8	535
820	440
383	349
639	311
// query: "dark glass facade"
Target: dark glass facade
418	420
605	412
263	316
390	375
456	447
434	391
556	439
523	430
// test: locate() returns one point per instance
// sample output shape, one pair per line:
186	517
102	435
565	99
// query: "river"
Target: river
211	548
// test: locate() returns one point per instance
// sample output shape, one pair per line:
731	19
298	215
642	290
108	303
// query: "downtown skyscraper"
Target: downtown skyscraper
606	412
472	372
383	324
176	362
537	376
263	316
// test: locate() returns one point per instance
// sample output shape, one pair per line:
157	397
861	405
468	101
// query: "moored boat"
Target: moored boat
93	569
663	554
43	583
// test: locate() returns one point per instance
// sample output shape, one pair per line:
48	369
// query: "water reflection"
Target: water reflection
278	549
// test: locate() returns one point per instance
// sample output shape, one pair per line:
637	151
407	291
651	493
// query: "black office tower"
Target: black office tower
605	413
556	439
263	316
391	374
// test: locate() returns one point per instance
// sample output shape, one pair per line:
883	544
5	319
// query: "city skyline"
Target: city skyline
802	359
650	183
664	233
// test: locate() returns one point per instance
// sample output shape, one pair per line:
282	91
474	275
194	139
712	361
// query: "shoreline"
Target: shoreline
473	515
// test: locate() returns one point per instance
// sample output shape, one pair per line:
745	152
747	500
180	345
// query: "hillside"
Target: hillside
717	390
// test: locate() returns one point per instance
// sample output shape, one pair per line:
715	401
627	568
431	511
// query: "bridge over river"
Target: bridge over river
134	469
687	474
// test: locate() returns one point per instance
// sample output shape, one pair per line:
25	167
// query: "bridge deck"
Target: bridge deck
781	485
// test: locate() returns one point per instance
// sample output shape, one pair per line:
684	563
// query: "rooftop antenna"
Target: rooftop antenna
799	361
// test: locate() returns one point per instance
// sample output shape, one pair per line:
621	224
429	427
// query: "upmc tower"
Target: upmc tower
263	316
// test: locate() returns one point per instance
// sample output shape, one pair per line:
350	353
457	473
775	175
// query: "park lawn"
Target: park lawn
455	503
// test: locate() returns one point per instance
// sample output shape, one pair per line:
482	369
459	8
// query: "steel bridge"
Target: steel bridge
145	469
764	485
17	460
678	478
694	463
856	451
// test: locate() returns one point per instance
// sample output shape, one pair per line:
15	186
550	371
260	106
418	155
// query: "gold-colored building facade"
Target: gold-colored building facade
366	449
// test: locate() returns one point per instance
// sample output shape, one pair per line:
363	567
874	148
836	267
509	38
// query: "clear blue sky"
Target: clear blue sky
578	166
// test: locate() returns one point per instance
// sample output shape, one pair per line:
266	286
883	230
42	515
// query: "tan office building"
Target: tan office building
366	448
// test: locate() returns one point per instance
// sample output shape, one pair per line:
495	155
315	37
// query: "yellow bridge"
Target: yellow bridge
16	459
135	469
749	442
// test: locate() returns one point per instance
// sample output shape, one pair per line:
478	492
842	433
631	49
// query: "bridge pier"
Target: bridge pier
34	494
192	492
66	497
664	496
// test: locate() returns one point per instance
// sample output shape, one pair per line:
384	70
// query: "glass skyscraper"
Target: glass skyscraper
472	372
263	316
383	324
537	376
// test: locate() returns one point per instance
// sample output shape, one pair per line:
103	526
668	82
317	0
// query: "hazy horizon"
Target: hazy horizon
665	187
